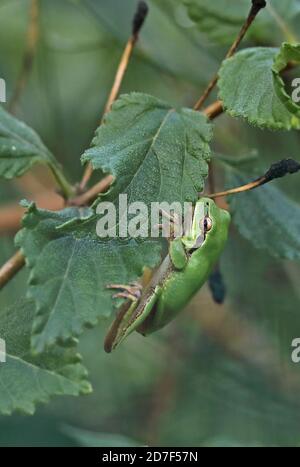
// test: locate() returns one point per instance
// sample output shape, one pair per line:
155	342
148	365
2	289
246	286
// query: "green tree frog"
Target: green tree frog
185	269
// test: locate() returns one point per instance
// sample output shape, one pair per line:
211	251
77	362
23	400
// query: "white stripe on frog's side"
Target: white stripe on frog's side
2	351
2	90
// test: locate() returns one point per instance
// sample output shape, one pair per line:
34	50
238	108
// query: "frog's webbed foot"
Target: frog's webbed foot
131	292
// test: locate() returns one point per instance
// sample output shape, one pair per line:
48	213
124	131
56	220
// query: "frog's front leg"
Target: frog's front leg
178	254
177	250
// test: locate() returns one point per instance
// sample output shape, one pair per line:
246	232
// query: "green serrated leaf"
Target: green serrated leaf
25	379
222	20
155	152
70	268
250	88
21	148
267	218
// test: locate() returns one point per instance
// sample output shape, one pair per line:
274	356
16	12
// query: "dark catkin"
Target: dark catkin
139	17
257	5
217	287
281	168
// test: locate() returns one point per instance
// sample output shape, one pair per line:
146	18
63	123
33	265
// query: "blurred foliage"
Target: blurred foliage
219	20
184	386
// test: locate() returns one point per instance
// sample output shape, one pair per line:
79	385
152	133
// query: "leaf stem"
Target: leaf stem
257	5
138	21
92	193
67	190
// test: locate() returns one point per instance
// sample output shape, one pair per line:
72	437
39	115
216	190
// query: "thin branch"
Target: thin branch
86	198
120	74
31	45
10	268
138	21
257	5
214	110
277	170
240	189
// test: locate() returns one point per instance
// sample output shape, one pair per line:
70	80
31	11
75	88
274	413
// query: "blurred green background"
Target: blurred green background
219	376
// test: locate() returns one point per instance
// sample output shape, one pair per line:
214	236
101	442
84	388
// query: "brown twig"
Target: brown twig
214	110
11	267
120	73
86	198
240	189
257	5
138	21
31	45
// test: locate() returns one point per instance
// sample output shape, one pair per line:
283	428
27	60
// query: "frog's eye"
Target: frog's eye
207	224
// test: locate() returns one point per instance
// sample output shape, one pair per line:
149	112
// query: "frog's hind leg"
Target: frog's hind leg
111	339
131	292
